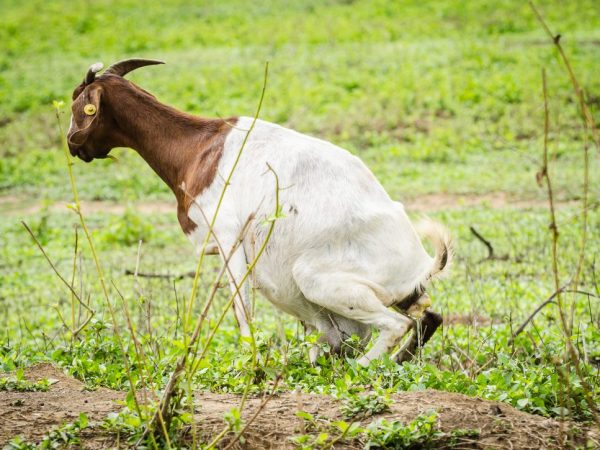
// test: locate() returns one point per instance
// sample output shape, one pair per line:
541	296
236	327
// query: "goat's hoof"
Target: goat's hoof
364	361
313	355
402	356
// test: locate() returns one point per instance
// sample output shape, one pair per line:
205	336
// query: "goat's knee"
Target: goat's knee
391	332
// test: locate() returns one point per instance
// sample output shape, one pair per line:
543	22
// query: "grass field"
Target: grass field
442	100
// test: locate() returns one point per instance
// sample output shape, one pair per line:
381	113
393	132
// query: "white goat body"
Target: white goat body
340	258
343	253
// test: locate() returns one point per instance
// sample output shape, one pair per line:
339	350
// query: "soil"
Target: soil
471	319
32	414
19	205
494	200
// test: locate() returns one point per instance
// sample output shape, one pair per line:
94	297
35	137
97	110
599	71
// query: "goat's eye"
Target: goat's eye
89	109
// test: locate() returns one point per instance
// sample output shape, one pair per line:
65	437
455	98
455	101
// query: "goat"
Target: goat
341	259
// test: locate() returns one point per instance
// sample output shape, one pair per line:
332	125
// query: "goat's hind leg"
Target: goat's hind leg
423	328
348	297
336	330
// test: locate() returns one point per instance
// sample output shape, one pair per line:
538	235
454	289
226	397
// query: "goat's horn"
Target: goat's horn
124	67
91	73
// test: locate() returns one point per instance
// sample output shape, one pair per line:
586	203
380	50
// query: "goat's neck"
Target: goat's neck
179	147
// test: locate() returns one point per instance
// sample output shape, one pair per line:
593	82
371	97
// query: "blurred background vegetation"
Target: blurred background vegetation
433	95
439	97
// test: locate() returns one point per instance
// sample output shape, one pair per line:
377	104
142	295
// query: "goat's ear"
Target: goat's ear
77	92
92	101
88	107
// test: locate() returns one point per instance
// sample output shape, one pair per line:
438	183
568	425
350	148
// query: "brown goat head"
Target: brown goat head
93	132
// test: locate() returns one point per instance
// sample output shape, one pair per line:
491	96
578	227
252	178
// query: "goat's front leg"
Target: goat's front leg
315	349
236	269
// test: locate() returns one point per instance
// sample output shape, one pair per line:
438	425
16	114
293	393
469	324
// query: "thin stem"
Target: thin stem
54	269
573	355
190	341
73	283
76	206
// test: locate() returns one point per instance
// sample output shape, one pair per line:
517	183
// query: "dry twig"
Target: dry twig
488	245
589	124
547	302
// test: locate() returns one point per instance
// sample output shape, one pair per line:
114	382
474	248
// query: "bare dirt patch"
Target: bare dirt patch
32	414
470	319
499	425
17	205
20	205
495	200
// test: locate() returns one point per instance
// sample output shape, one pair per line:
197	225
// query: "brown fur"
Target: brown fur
184	150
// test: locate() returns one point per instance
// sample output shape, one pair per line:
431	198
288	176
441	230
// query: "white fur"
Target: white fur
343	253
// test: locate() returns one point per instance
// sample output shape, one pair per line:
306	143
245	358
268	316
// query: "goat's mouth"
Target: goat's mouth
85	157
81	154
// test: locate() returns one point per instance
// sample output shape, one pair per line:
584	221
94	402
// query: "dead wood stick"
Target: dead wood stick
485	242
547	302
159	275
166	276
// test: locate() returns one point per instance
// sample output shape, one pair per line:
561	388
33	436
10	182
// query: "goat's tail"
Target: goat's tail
439	237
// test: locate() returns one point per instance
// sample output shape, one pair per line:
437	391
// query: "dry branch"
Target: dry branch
547	302
589	124
488	245
166	276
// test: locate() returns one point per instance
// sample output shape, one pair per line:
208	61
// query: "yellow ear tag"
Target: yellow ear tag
89	109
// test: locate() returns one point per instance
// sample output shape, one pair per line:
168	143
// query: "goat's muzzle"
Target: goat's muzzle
80	152
84	154
76	148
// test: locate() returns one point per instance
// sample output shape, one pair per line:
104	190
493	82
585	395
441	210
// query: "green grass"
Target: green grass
435	97
475	361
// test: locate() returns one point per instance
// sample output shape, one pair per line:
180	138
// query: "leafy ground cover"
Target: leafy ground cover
436	97
290	420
